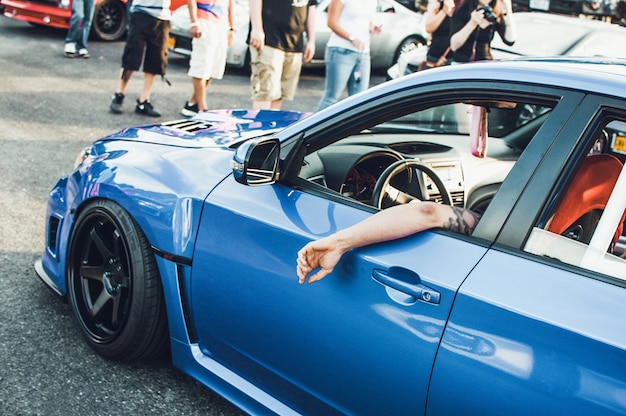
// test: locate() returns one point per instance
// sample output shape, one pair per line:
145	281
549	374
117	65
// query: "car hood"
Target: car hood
219	128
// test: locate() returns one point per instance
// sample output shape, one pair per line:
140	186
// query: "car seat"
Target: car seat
585	199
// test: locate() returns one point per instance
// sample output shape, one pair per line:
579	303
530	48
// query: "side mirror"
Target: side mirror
256	162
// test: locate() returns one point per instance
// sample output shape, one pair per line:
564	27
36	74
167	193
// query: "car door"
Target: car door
351	345
362	341
538	327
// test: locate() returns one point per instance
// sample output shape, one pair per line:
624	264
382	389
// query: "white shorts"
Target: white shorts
208	52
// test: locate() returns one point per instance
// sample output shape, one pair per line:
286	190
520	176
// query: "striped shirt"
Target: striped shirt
213	10
159	9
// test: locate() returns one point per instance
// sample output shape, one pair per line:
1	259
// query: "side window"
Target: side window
585	226
416	151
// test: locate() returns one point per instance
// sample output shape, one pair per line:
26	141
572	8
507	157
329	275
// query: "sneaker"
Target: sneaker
83	53
70	49
145	108
190	109
116	103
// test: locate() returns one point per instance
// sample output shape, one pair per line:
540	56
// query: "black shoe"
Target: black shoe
116	103
145	108
190	109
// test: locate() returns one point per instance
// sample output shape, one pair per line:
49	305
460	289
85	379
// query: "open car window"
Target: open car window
442	136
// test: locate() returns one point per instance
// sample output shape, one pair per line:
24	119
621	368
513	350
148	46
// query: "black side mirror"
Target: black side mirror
256	162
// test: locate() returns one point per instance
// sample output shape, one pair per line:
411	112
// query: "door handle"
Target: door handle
400	280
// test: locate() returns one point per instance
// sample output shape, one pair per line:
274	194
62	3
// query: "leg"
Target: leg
276	104
88	9
78	14
124	78
340	67
144	106
199	93
363	67
118	98
148	82
292	64
265	77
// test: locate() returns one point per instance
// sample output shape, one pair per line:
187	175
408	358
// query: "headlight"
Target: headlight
84	154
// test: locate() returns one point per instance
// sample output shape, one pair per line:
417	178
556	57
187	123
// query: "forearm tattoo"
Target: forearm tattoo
459	224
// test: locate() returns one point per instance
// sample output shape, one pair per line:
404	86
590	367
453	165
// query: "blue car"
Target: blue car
181	238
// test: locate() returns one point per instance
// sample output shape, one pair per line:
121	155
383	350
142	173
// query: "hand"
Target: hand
359	44
196	32
323	254
309	51
448	7
257	38
478	16
231	37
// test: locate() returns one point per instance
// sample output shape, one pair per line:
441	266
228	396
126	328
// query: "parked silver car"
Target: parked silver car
541	35
401	30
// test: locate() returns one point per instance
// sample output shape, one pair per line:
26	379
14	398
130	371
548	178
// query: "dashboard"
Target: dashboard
353	166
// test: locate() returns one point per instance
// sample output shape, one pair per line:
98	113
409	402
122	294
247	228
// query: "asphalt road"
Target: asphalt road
50	108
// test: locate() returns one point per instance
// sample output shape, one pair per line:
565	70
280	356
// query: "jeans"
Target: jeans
80	23
345	68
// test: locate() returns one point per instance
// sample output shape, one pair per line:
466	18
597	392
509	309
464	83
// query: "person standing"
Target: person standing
146	41
474	24
277	48
80	27
212	33
437	22
347	54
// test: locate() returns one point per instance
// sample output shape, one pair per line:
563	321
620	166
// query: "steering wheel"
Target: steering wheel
385	192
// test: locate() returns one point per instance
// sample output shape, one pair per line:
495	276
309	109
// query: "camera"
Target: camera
488	13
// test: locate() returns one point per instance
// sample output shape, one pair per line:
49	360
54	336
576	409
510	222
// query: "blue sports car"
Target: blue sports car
181	238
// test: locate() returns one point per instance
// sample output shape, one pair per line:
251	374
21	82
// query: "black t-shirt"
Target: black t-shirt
284	22
480	39
440	39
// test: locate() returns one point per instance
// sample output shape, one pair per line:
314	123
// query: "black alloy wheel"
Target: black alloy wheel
114	285
109	20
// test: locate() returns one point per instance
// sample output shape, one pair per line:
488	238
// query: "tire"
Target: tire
114	285
406	45
109	20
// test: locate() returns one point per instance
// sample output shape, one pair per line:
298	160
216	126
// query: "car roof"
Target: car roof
587	75
599	75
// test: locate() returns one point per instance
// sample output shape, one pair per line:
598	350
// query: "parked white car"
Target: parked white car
401	30
541	35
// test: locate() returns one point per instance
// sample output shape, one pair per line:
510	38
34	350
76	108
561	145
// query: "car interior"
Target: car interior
404	158
585	226
453	153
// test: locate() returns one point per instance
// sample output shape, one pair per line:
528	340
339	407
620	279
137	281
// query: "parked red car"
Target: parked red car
109	22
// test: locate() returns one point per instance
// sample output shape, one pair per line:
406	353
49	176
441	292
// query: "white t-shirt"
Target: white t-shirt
355	18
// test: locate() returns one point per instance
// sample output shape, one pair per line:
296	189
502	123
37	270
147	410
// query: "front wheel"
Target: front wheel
408	45
114	286
109	20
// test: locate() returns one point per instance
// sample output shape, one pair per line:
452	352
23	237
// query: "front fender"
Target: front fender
161	187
